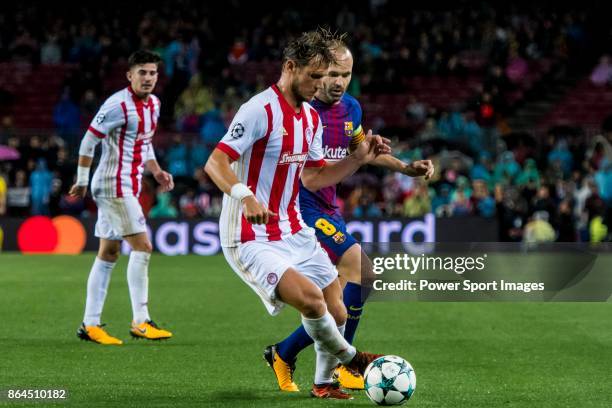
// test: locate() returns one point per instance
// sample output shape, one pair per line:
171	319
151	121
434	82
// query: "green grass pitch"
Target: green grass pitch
464	354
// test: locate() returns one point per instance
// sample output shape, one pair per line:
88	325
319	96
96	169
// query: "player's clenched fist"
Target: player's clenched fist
254	212
78	191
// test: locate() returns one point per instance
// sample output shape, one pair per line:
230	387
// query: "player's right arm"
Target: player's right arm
110	116
249	125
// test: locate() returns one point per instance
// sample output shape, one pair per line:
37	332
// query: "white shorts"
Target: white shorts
262	264
118	217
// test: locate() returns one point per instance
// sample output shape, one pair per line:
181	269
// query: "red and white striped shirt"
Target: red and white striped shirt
270	144
126	125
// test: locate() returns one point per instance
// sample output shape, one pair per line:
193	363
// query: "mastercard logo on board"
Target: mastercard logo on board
59	235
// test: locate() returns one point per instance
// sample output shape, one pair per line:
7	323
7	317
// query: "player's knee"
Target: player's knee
338	312
109	254
145	246
313	305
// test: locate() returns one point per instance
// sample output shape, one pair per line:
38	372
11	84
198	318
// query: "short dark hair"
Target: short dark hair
144	57
312	44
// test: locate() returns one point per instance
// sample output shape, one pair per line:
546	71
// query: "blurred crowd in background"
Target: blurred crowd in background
545	185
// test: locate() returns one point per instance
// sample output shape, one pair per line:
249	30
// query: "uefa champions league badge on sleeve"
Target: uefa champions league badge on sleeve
100	117
237	131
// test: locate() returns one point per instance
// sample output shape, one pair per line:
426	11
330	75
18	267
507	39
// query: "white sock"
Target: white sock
138	282
97	287
325	333
326	363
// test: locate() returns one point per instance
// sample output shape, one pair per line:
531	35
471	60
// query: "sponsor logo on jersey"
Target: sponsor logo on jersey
290	158
145	135
285	133
334	153
348	129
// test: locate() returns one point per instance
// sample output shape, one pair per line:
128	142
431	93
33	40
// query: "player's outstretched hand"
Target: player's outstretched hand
165	180
254	212
78	191
420	168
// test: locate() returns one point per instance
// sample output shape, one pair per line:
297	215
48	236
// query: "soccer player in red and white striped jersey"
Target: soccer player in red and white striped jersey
124	125
272	143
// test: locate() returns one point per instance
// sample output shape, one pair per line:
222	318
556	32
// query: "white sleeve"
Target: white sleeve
316	157
249	125
110	116
88	144
150	153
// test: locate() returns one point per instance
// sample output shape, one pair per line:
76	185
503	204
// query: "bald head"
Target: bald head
338	76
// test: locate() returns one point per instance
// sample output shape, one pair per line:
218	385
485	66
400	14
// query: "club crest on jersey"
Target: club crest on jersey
272	278
290	158
348	129
339	238
309	133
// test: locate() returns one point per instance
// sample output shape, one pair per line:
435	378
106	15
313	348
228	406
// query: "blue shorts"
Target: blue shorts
331	233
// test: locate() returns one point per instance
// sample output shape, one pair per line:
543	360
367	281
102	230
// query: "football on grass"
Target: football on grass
389	380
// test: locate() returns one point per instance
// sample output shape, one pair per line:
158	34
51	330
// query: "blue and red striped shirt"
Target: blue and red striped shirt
341	121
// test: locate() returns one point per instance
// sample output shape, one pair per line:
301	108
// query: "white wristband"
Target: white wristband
82	176
240	191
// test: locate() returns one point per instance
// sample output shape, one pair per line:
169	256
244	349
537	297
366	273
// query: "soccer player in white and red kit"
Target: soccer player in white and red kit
124	125
274	142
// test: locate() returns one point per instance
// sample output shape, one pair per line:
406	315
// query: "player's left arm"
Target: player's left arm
318	174
417	168
165	179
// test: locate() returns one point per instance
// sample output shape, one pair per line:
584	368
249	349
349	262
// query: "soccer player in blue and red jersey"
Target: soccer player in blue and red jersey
342	131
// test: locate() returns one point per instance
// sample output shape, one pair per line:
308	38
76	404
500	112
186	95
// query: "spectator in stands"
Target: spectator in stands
198	155
24	47
566	225
506	169
416	110
440	203
562	154
18	195
511	211
538	229
213	128
530	176
41	184
7	129
418	203
481	201
517	67
50	51
366	205
602	74
238	54
603	180
67	117
177	158
3	192
188	205
544	202
164	208
193	102
483	170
